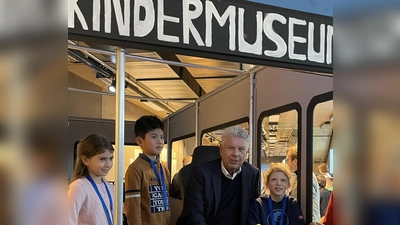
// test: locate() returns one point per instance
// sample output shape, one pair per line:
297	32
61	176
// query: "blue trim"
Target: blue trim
162	182
101	198
271	211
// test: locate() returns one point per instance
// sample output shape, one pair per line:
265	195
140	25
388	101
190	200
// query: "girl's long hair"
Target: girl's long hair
92	145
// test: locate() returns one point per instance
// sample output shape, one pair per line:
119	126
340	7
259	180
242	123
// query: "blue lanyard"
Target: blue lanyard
101	198
271	211
162	182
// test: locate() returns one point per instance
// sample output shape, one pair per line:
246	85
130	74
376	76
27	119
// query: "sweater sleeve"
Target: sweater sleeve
328	219
255	211
133	185
296	216
316	214
174	190
76	197
193	207
257	186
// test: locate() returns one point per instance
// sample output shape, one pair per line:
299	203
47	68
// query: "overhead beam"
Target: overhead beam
158	79
216	77
183	73
79	56
178	78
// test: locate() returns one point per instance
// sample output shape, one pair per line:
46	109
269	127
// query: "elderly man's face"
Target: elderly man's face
233	152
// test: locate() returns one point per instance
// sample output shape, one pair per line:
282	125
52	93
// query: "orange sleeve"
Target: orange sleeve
328	219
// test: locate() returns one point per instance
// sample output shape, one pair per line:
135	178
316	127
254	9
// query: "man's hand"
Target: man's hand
316	223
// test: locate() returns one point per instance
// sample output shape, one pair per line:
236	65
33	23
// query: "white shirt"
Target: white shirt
227	174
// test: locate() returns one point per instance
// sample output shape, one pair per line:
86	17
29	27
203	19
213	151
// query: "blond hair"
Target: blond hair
292	152
323	168
276	167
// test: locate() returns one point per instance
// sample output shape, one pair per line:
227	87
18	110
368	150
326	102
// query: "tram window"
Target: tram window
131	152
323	153
278	134
322	135
180	149
213	138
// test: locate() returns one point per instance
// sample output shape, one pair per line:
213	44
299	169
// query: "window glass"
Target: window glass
213	138
180	149
322	141
279	133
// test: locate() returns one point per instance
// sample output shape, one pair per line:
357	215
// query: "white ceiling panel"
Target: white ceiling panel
170	88
209	85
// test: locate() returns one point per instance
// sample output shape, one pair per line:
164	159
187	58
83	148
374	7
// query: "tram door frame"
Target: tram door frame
277	90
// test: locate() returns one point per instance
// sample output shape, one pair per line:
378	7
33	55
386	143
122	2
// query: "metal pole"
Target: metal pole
252	152
169	148
119	135
197	124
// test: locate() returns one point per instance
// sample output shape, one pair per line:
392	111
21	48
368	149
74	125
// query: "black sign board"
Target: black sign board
238	31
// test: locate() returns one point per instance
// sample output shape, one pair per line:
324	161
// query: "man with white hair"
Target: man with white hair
220	191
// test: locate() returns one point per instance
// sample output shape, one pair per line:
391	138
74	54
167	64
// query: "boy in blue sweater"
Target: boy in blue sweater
277	208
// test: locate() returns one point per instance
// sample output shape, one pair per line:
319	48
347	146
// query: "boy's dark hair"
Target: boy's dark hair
147	123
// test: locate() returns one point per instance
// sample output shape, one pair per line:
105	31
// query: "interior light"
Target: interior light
111	88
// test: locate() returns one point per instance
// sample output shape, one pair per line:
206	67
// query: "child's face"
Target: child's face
153	142
100	164
278	183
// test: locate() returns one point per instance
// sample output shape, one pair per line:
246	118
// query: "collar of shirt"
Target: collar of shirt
145	157
227	174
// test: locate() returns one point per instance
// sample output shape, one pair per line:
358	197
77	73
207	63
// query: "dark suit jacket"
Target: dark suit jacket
203	192
174	188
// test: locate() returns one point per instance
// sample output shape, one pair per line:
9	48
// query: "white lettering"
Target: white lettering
107	16
96	15
157	188
123	26
187	17
144	22
156	195
230	13
158	202
293	39
143	27
244	46
72	9
329	37
281	48
160	209
311	53
160	28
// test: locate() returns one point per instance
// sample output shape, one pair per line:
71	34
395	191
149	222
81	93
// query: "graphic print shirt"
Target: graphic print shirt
144	201
259	212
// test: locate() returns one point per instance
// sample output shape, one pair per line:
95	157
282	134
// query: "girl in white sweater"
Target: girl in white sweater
89	196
